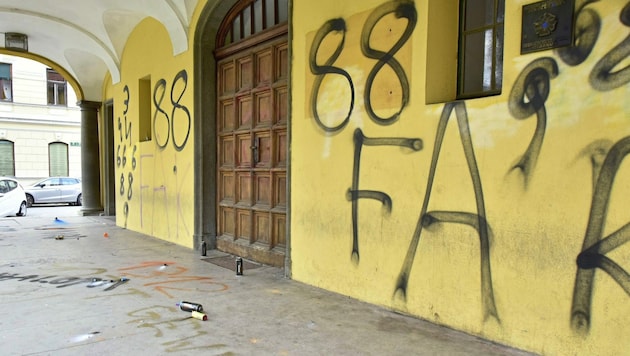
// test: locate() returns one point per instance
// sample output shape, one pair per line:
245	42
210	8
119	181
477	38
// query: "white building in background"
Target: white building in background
40	123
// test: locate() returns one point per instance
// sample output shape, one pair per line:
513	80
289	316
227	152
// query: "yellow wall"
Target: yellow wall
520	291
154	178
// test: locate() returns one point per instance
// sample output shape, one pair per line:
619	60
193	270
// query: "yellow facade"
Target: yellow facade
420	199
154	146
470	214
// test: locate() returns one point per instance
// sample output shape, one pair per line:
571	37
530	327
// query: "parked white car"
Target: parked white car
55	190
12	198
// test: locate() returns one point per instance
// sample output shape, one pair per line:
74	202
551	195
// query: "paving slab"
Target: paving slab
60	296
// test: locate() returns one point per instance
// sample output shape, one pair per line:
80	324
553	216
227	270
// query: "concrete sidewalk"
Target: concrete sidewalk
57	299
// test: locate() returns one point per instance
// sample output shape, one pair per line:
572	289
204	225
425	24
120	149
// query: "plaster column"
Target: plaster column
90	167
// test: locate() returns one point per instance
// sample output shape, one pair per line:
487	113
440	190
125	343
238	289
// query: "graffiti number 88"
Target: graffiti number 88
400	9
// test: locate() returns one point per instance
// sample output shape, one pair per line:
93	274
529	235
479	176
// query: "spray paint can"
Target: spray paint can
203	248
190	307
239	266
200	316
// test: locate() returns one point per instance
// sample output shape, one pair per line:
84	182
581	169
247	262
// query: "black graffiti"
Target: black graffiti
533	84
339	26
126	101
160	86
133	158
605	158
427	218
177	107
354	193
531	89
121	157
586	29
160	89
57	281
602	78
127	128
595	246
596	154
529	95
120	127
401	9
129	190
122	184
121	160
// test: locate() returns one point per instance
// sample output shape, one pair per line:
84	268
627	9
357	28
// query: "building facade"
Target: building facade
40	132
459	161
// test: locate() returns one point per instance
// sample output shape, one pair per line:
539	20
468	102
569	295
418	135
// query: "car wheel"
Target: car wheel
29	200
80	199
22	211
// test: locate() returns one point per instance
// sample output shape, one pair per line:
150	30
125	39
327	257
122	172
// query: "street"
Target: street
52	210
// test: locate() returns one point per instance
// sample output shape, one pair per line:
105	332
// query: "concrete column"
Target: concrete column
90	167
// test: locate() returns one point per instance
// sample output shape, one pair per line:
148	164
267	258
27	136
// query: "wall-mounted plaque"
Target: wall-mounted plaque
547	24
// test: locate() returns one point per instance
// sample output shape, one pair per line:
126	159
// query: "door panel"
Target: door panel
244	73
262	187
227	78
281	146
262	150
262	233
278	233
226	116
252	152
226	222
244	154
226	147
245	113
263	109
243	189
243	217
264	62
226	183
278	191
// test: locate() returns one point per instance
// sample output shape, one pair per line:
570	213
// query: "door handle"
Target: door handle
255	150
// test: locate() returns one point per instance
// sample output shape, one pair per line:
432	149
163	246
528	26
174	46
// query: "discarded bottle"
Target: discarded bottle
190	307
200	316
239	266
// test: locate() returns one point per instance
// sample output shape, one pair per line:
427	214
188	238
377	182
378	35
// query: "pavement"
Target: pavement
75	285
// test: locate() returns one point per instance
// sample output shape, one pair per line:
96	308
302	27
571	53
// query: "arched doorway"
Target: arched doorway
243	133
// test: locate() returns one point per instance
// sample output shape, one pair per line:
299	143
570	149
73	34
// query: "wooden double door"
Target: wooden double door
252	149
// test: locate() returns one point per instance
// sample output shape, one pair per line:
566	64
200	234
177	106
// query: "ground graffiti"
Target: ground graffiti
172	277
153	317
163	277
